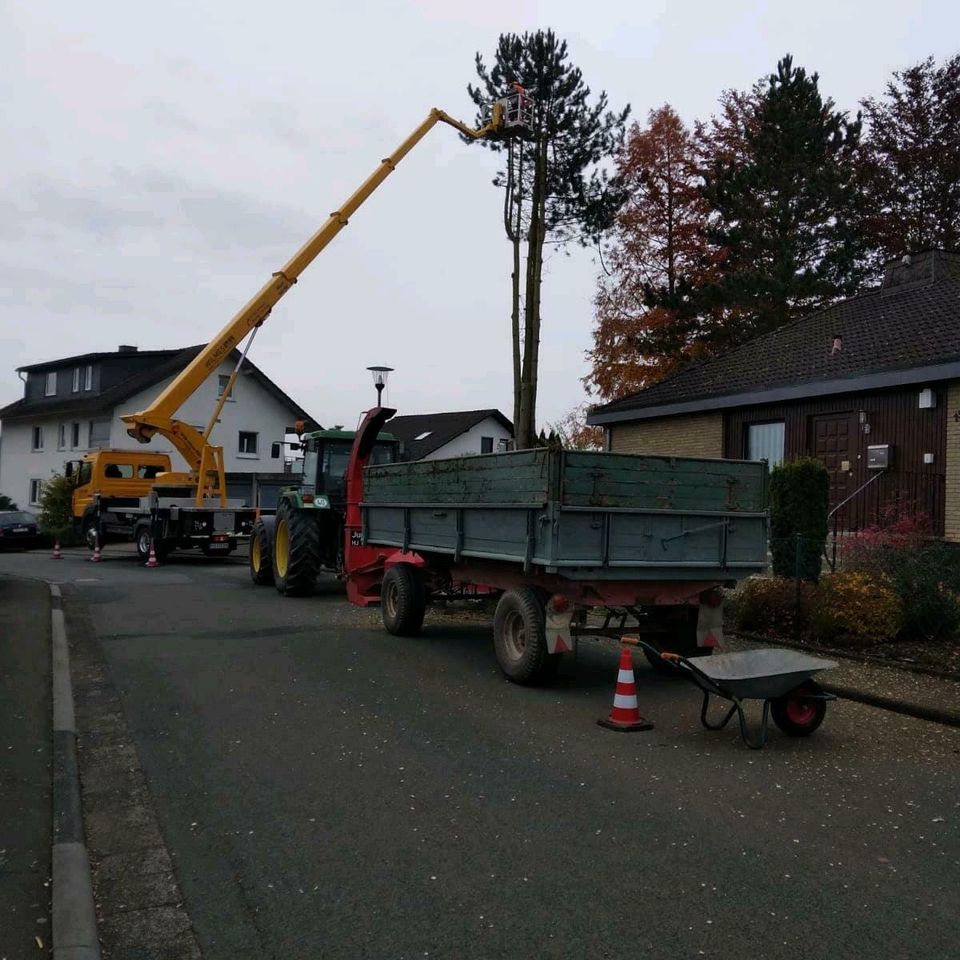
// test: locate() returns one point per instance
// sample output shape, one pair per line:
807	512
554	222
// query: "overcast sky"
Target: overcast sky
160	161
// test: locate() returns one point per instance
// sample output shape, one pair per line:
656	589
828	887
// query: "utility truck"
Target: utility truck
181	504
117	496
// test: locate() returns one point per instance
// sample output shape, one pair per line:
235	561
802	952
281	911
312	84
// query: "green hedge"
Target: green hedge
799	497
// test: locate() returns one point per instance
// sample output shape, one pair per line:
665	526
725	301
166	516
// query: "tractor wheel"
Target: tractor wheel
796	715
520	637
403	600
261	552
296	551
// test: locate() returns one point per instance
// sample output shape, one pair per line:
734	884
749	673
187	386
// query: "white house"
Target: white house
437	436
73	405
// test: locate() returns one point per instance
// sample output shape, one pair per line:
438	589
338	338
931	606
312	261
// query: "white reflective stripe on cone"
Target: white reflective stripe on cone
626	676
619	700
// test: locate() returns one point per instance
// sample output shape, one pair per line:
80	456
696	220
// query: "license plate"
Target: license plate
21	530
218	545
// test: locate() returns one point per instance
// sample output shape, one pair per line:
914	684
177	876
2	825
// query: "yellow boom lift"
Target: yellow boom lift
508	116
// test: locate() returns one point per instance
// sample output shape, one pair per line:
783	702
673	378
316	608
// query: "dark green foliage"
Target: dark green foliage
6	503
799	495
785	206
56	515
911	161
925	575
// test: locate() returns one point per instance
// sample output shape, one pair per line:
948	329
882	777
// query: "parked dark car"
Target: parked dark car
18	529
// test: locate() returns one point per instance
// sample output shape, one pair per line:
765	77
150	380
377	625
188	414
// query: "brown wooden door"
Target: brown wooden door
834	446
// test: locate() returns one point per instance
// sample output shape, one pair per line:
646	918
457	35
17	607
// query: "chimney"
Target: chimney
126	348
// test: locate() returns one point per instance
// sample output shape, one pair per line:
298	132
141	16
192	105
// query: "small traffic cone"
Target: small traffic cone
96	550
57	555
625	713
152	559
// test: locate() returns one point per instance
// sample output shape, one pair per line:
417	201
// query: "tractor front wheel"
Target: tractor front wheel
261	552
296	551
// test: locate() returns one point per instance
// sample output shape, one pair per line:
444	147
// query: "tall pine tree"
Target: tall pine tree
553	185
911	161
786	212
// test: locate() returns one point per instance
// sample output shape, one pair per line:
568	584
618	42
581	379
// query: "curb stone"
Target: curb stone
74	916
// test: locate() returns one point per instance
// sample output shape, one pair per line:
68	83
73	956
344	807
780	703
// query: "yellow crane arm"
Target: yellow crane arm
206	461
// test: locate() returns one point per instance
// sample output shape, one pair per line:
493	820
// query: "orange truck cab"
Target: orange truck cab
125	474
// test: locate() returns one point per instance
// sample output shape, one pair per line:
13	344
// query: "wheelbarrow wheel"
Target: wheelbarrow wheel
796	713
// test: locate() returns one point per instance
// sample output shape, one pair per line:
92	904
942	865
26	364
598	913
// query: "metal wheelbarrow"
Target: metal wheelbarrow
780	678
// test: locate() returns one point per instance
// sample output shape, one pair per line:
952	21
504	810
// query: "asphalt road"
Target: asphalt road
327	790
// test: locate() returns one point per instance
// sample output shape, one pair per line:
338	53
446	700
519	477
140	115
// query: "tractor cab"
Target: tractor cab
325	459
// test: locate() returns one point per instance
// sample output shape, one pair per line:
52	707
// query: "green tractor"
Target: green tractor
305	536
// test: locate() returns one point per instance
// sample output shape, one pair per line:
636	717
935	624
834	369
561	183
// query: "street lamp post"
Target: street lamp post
380	375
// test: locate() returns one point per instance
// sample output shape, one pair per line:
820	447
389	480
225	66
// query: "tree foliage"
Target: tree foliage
657	255
786	211
56	515
574	433
551	179
6	503
799	499
911	160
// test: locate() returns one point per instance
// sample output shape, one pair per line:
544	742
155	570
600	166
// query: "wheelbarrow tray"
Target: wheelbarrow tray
764	674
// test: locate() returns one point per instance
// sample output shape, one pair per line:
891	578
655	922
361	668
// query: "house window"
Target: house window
486	444
74	436
62	437
76	380
36	492
248	444
99	433
37	438
88	377
222	382
50	384
765	442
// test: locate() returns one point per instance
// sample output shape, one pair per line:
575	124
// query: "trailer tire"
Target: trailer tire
797	716
261	553
403	600
520	636
296	551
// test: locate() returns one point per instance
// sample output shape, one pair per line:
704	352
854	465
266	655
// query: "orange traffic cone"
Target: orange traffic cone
152	559
57	555
96	550
625	714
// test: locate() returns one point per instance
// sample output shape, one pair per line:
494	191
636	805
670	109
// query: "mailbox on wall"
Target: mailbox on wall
879	456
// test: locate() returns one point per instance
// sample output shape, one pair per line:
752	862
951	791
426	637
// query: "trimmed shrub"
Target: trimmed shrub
56	516
768	605
799	494
924	573
6	503
854	609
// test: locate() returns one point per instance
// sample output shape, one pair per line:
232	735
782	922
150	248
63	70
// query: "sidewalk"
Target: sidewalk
920	695
25	759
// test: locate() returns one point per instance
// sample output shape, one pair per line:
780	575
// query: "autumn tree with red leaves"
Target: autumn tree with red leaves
646	326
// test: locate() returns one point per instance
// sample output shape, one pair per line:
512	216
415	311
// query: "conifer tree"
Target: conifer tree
554	189
787	211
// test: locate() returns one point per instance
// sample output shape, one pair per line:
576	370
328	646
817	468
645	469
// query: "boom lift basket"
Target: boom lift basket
516	115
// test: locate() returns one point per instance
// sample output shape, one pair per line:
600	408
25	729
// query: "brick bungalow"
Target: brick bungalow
869	386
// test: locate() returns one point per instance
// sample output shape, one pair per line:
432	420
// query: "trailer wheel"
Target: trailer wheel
296	551
795	714
261	553
520	636
403	600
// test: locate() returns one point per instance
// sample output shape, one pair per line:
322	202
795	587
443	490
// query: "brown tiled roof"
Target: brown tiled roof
912	321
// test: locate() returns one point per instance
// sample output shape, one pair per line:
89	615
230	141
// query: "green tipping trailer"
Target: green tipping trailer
559	533
578	514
